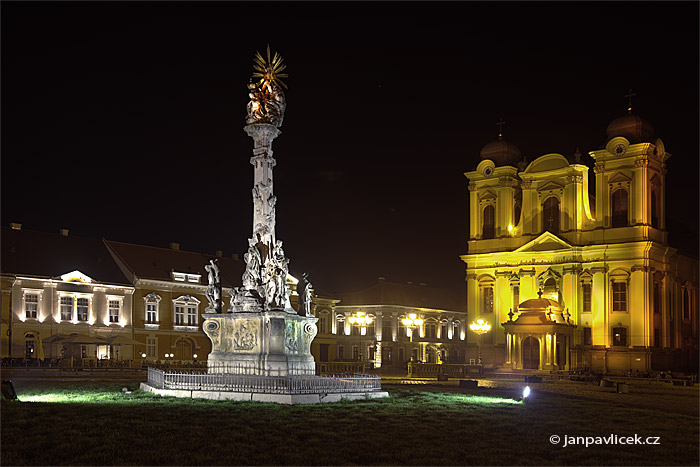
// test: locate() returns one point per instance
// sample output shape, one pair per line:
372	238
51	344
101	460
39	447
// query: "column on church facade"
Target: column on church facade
501	306
639	196
602	196
505	202
472	297
639	307
570	292
474	217
528	284
530	211
599	307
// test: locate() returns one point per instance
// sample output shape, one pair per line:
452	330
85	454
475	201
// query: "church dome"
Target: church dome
501	153
630	126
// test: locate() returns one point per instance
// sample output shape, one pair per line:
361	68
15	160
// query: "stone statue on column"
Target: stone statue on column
304	291
213	292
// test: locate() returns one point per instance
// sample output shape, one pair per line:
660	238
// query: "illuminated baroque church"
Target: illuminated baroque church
571	280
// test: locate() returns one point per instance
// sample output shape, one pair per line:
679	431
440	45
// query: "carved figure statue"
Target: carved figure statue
213	292
267	102
251	277
304	291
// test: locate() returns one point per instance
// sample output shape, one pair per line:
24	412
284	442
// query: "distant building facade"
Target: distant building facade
386	343
62	285
120	301
615	296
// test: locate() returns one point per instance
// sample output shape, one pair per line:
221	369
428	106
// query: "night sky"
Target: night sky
125	120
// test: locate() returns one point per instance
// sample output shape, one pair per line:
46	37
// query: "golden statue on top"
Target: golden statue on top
267	101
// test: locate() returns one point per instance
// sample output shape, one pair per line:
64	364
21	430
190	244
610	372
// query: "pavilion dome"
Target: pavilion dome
539	304
630	126
501	153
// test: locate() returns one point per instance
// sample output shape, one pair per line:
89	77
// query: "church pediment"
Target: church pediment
550	186
545	242
619	177
488	195
76	276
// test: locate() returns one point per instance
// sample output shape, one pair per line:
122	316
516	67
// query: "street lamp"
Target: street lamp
412	321
480	327
361	320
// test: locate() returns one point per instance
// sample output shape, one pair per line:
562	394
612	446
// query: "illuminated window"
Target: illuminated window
151	313
186	308
657	297
114	306
180	315
151	346
323	323
31	305
686	304
619	335
455	330
587	336
619	296
488	230
83	308
488	299
654	211
550	214
586	289
66	308
152	303
443	330
386	329
619	208
430	331
191	315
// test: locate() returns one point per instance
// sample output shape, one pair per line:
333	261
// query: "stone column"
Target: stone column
263	198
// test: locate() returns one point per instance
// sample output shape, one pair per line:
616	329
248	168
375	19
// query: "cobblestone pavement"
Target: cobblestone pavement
643	394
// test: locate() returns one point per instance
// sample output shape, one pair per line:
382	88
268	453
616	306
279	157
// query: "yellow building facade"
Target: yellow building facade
620	298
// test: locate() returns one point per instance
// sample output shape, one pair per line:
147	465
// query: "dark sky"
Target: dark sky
125	119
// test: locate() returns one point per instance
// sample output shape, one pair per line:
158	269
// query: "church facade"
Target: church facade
571	280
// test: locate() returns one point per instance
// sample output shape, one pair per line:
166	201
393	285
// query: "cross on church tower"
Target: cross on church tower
500	127
630	95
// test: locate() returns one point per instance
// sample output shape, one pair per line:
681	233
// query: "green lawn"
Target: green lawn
73	423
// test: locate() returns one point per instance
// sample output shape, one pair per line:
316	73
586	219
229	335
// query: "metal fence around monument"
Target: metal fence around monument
202	380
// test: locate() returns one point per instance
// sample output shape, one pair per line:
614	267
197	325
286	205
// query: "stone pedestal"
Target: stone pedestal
274	343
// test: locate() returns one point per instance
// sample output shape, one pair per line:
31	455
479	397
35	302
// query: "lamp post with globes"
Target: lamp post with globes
411	322
361	320
480	327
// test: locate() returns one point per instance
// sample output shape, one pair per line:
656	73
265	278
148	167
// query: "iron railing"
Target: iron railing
199	379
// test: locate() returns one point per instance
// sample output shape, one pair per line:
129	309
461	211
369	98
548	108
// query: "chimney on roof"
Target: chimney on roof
380	278
15	226
174	246
235	256
64	232
220	253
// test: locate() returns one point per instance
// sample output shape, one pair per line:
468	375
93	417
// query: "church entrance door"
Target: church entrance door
531	353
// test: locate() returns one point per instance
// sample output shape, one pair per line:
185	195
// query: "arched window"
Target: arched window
654	211
619	208
488	222
550	214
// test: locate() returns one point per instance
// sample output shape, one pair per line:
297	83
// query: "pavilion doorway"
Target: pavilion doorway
531	353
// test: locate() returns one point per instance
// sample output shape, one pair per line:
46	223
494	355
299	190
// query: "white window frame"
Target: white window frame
190	308
64	306
119	299
74	296
39	295
114	317
78	308
151	299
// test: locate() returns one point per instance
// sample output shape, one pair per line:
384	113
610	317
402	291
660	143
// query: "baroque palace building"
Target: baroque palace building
573	280
88	300
386	343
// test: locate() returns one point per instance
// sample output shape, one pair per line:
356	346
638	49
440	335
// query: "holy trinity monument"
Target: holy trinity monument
261	333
